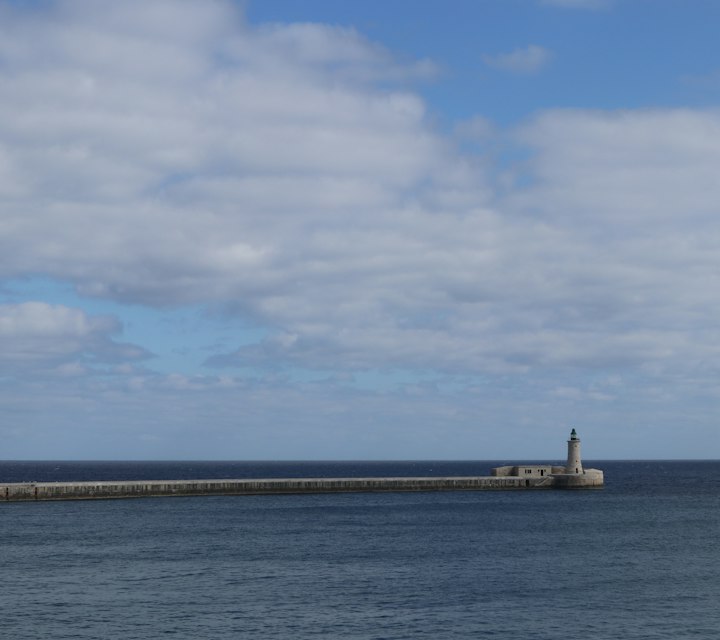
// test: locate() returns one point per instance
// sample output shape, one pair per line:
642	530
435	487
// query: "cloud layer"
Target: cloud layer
168	153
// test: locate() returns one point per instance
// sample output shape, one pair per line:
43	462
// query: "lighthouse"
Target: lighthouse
574	462
570	476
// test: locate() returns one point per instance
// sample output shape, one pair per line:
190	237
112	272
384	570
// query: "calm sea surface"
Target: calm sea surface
637	559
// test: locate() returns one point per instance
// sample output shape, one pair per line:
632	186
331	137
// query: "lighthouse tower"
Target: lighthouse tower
574	463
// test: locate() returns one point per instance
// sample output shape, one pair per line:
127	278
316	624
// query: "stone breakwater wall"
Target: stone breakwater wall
588	479
157	488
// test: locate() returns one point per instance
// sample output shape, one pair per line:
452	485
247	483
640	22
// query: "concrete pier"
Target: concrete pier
534	476
149	488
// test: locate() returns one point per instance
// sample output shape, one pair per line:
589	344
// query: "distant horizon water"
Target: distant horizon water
128	470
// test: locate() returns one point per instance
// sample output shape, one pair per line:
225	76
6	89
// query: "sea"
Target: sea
639	558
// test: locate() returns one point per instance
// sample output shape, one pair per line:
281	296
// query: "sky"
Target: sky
414	229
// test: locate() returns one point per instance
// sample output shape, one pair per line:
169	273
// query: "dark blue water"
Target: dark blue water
78	471
638	559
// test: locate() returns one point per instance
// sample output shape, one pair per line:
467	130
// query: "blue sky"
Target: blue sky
359	230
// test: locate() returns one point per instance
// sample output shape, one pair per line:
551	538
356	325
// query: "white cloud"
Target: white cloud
529	59
40	319
629	168
476	128
45	338
342	49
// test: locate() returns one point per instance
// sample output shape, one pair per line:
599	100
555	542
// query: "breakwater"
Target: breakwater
158	488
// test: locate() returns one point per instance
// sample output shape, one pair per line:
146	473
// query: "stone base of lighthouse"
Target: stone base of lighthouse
570	476
551	476
589	478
